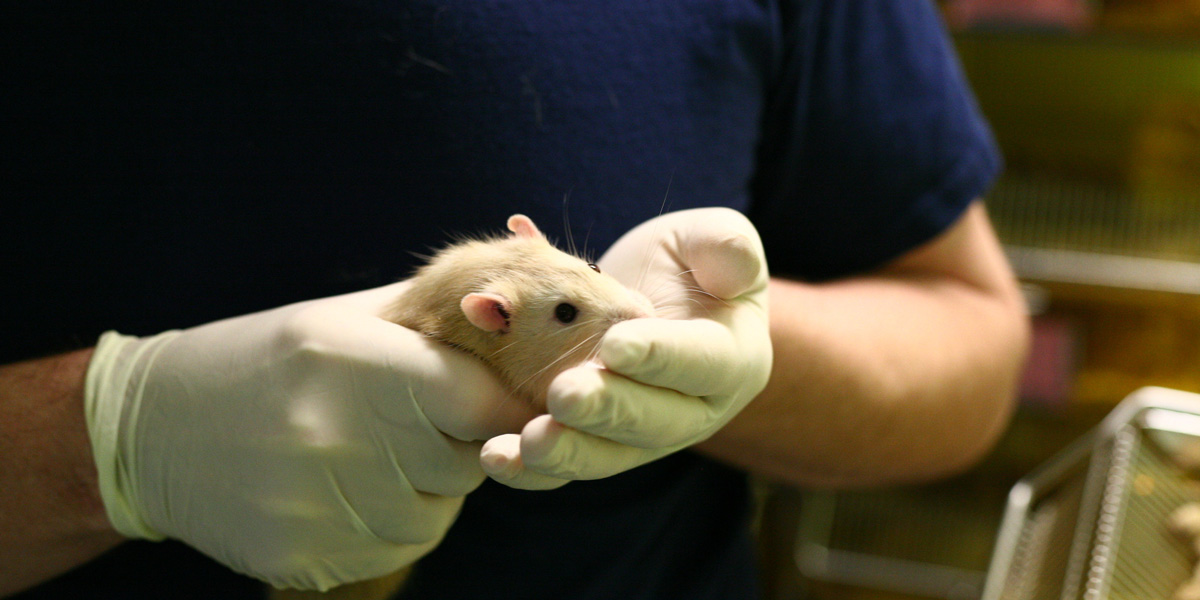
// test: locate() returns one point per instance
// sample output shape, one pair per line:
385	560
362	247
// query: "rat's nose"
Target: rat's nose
642	308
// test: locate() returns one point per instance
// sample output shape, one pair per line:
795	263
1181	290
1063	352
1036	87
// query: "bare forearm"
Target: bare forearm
896	377
51	517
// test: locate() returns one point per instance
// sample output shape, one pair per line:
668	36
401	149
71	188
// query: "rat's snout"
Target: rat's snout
638	307
627	315
642	308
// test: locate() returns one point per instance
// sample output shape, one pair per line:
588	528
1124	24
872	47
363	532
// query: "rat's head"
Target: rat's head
547	309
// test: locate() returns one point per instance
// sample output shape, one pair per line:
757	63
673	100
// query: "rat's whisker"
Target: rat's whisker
594	354
503	348
567	224
697	291
573	326
654	234
676	296
706	293
679	300
556	361
661	285
586	237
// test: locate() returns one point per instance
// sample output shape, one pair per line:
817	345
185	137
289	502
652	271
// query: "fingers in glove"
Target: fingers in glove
697	357
551	449
626	412
723	252
404	436
459	394
502	461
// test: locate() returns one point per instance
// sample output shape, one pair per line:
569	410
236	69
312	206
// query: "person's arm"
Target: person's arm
51	516
902	375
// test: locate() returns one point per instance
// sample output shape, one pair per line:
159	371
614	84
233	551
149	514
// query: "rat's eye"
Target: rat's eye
565	313
593	267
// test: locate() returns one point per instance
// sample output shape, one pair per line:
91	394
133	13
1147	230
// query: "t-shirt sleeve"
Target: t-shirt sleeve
873	142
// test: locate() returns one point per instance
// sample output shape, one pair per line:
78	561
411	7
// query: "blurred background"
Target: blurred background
1096	105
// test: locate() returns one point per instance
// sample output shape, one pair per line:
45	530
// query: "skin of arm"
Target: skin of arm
897	376
51	516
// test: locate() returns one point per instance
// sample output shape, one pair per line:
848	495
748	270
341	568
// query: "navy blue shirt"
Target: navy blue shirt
168	165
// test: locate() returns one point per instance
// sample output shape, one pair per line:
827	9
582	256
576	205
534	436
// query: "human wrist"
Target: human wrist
51	516
53	389
82	489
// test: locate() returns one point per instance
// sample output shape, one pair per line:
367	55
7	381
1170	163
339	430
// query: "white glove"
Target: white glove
668	382
309	446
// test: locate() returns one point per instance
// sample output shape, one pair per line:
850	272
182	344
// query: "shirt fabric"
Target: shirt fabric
170	165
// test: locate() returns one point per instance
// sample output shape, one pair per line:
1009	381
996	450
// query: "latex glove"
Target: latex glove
667	383
309	446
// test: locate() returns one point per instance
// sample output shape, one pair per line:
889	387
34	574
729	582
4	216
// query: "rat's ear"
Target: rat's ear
487	311
523	226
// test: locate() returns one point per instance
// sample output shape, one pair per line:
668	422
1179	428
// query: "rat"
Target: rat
527	309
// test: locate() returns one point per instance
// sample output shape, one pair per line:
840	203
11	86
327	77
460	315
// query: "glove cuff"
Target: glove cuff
112	397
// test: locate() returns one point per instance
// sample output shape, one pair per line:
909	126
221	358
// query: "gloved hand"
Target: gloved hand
309	446
667	382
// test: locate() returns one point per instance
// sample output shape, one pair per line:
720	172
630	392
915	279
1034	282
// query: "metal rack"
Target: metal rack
1090	524
858	540
1087	233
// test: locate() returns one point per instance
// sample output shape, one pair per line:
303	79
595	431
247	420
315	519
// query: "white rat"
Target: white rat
526	308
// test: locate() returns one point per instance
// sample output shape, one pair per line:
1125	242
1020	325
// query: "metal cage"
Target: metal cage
1091	523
